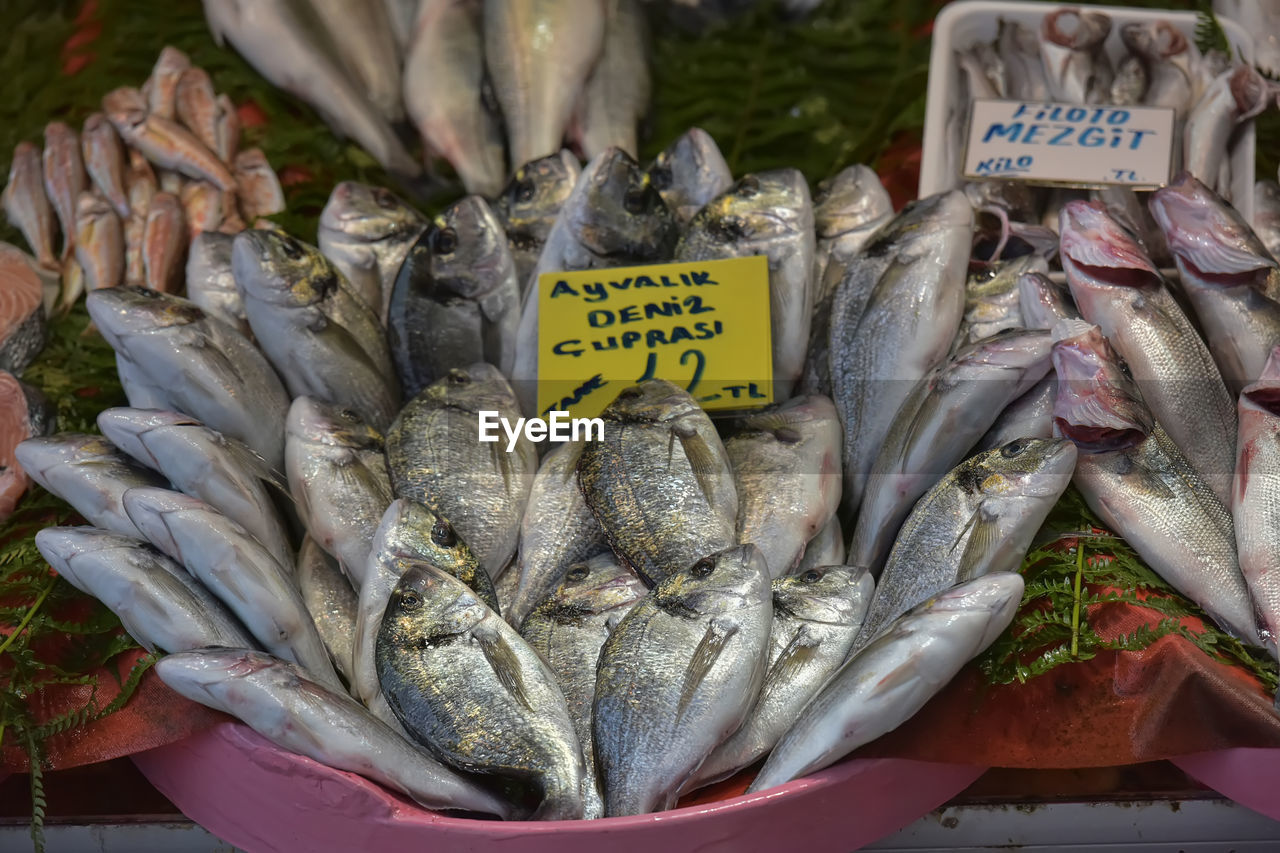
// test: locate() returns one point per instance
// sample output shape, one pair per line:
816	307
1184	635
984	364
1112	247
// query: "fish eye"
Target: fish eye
291	249
384	199
703	567
660	177
348	415
577	573
730	228
1015	447
442	534
811	576
522	190
748	186
458	377
635	200
632	393
444	241
410	600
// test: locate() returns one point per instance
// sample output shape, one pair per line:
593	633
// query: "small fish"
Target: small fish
992	302
201	207
530	203
196	106
689	173
23	328
331	602
104	159
24	413
1043	302
227	129
164	244
1131	82
1235	96
826	548
161	88
1168	55
210	282
26	206
1019	49
1072	43
140	180
166	143
72	286
64	178
257	186
99	242
886	683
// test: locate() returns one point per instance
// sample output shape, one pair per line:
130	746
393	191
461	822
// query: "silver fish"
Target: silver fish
1266	215
530	203
207	465
616	95
1019	49
161	88
982	70
99	244
331	602
768	214
160	605
237	569
104	160
1072	45
481	488
1125	207
1168	54
366	46
689	173
539	54
848	210
26	206
1235	96
992	302
885	684
1029	416
1118	288
786	469
466	686
893	318
1254	506
1140	484
659	482
826	548
64	178
1131	81
1043	302
210	282
337	472
292	710
200	365
678	675
443	77
946	414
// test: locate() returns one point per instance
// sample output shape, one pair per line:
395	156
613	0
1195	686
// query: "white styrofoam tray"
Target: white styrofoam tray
964	22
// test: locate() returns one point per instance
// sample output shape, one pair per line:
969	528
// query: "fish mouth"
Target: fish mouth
1205	237
1076	30
1096	245
59	545
1098	406
1265	393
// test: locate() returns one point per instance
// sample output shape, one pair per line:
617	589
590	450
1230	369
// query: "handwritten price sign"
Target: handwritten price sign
703	325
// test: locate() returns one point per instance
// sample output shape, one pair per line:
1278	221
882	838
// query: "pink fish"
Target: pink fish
198	106
228	127
202	207
99	242
105	161
64	178
26	205
161	87
164	244
168	144
259	188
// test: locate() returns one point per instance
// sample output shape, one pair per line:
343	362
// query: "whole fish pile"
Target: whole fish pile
298	510
487	85
157	171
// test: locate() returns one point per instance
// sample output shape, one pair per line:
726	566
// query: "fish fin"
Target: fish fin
252	461
795	657
775	421
1148	479
504	663
983	531
701	459
502	462
704	657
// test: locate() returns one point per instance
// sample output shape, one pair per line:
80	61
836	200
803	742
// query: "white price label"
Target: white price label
1070	144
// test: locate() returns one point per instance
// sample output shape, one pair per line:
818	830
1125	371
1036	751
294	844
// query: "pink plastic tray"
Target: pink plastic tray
254	795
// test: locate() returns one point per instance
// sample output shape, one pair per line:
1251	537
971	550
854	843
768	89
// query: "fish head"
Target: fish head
1025	468
917	227
209	675
850	199
1000	278
1042	301
410	531
1131	81
757	210
616	211
993	598
1207	235
650	401
469	248
150	509
692	160
210	251
835	595
280	269
317	422
1154	41
1024	352
598	585
1251	91
721	582
125	108
1097	251
91	208
529	203
61	545
1099	406
1075	29
120	312
368	214
473	388
128	428
1264	393
40	454
429	608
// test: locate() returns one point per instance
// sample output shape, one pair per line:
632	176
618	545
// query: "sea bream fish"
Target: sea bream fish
690	172
848	209
24	412
1255	508
211	285
529	204
331	602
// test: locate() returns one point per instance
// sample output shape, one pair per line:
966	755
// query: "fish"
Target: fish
25	413
164	243
337	474
72	284
196	106
401	14
468	688
893	317
539	54
1029	416
204	368
678	675
140	182
1231	280
367	231
1235	96
292	710
26	206
826	548
947	413
322	338
848	209
227	126
210	282
205	464
99	243
886	683
688	173
613	217
529	204
992	302
567	629
64	178
786	470
202	207
1168	55
480	487
366	47
443	81
1124	206
104	160
1140	483
167	144
1118	288
238	570
331	602
159	604
816	615
139	389
978	519
982	70
1131	81
161	88
1266	215
557	531
257	187
1019	49
1072	45
615	96
272	37
23	321
1043	301
407	533
768	213
170	181
1253	497
659	482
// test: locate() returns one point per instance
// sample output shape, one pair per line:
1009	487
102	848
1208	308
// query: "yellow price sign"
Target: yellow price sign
703	325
